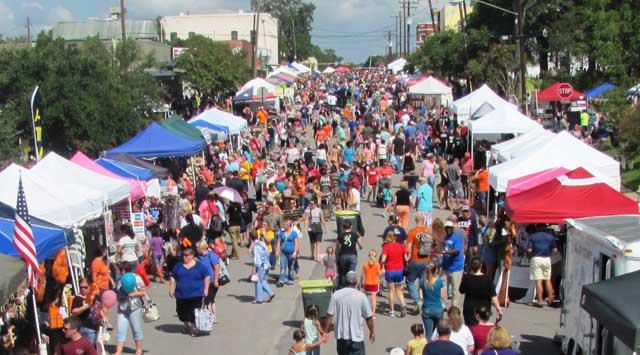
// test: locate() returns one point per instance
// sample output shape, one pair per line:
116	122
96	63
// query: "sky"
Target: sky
354	28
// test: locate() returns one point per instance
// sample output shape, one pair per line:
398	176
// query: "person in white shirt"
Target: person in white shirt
460	333
355	199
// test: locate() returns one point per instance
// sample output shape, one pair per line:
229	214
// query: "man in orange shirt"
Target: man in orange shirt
481	179
420	245
262	116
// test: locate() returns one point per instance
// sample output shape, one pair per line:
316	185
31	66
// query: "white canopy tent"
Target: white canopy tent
60	204
487	107
328	70
500	148
563	150
525	148
301	68
503	120
64	172
397	65
465	106
432	87
256	84
215	117
285	70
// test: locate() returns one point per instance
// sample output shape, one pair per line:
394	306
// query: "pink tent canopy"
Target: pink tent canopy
524	183
137	188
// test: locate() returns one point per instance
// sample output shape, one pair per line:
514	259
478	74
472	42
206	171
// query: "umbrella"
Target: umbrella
343	70
228	193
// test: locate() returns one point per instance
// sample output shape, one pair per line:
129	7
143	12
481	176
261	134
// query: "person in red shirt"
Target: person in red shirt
384	174
372	180
481	330
75	344
393	256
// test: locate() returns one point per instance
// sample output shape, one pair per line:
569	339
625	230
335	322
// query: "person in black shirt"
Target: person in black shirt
394	226
234	218
403	202
81	309
479	291
347	252
191	233
398	151
442	345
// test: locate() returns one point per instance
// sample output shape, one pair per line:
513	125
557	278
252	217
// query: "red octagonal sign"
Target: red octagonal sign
565	90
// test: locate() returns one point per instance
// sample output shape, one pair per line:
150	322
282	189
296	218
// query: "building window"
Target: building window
234	35
174	36
191	34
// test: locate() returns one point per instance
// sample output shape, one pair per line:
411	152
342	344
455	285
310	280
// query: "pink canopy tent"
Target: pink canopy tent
524	183
137	188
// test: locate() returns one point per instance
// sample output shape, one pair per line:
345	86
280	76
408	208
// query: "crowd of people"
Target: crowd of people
337	145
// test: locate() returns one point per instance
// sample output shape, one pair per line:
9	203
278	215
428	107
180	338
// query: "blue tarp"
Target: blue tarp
156	141
599	90
49	238
126	170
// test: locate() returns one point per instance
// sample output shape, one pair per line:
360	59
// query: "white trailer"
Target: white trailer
597	248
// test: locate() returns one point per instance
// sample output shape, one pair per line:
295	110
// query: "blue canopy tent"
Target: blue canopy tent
599	90
156	141
49	238
125	170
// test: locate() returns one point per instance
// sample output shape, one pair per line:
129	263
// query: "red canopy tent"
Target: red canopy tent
573	195
553	93
343	70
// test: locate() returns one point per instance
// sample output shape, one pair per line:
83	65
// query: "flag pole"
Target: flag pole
42	347
33	124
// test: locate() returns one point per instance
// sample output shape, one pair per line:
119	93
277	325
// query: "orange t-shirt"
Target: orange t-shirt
482	180
371	273
321	136
328	130
100	273
262	117
413	241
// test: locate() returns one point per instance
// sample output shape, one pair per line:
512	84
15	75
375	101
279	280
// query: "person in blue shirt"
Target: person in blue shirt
424	196
288	249
348	154
453	261
540	246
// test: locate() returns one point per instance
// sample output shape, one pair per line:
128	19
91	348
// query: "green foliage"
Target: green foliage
441	53
93	98
210	67
325	55
295	19
374	61
496	67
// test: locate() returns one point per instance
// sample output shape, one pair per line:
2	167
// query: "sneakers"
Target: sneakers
403	312
393	314
418	308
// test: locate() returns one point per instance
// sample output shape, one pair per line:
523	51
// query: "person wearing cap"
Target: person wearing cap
453	261
347	307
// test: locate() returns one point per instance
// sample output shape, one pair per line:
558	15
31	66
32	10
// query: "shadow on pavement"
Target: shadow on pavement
533	344
296	324
170	328
243	298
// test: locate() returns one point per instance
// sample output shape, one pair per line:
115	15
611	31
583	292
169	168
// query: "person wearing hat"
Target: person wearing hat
453	261
347	307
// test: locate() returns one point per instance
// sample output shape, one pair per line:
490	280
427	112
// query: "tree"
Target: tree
497	67
374	61
295	19
93	98
210	67
442	53
325	56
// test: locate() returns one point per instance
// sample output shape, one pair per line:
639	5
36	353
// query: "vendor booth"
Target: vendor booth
397	65
563	150
125	170
599	91
179	126
465	106
328	70
300	68
500	151
157	171
215	121
503	120
530	181
430	92
562	97
156	141
575	194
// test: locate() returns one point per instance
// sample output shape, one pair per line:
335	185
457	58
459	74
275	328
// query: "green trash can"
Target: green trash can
318	293
351	216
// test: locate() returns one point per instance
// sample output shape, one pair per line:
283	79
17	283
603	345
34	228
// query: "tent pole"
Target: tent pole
42	348
74	277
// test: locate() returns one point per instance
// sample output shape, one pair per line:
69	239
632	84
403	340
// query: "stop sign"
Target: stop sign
564	90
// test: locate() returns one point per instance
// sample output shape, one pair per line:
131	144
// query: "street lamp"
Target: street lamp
519	34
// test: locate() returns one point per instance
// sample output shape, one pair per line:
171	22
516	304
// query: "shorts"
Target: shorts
371	289
540	268
330	273
455	191
394	276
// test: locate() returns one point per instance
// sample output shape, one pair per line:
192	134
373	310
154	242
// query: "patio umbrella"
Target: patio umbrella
228	193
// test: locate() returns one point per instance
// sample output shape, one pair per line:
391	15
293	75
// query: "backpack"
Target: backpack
216	223
425	243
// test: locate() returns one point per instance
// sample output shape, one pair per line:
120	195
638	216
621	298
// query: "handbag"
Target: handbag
151	312
316	228
204	319
223	278
254	278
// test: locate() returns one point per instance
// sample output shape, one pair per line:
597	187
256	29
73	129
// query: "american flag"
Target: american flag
23	238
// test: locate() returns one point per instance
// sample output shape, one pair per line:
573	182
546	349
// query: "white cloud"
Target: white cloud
60	13
33	5
152	8
7	18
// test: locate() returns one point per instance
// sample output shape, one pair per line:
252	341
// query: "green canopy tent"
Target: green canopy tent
14	273
180	127
613	303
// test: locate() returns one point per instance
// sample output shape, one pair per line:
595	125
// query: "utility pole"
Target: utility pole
396	17
122	28
409	23
254	38
433	20
28	30
293	32
523	65
390	47
402	19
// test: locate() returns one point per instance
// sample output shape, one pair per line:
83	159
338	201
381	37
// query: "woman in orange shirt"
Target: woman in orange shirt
371	271
100	271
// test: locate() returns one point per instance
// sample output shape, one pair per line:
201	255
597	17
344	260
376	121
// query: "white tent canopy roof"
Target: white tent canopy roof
64	172
525	148
328	70
563	150
258	83
60	204
487	107
285	70
467	105
500	148
502	120
430	86
217	117
397	65
303	69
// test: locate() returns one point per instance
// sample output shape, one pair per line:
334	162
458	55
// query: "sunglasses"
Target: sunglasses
84	287
183	255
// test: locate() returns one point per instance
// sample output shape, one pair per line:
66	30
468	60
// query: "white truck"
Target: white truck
597	248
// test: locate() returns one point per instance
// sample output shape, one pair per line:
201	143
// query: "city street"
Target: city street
246	328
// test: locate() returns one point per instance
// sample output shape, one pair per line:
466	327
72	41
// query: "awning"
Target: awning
125	170
156	141
552	93
180	127
157	171
599	90
612	302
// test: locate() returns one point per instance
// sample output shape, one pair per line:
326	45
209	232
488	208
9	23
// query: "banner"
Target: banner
36	117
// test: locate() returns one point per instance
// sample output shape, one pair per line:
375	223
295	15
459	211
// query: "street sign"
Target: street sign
564	90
